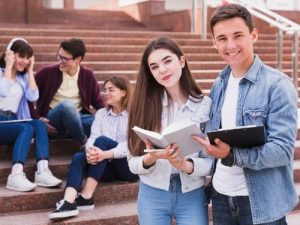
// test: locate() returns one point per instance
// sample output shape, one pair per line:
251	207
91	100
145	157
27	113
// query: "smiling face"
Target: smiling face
234	42
113	95
66	62
21	63
166	68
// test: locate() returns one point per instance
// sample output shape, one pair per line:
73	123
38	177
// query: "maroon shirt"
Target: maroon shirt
49	79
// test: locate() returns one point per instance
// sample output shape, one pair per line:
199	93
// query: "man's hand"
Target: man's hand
220	150
51	130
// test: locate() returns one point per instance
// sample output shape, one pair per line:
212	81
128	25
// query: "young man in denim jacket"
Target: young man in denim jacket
251	185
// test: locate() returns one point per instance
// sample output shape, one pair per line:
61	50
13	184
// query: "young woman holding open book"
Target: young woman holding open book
171	187
17	86
105	152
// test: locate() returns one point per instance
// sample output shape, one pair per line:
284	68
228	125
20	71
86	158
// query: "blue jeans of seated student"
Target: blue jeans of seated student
69	122
106	170
156	206
20	135
235	211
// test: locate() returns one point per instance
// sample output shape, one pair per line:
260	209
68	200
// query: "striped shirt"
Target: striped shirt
112	125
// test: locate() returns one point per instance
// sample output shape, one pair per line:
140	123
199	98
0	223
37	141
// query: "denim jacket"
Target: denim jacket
266	97
29	94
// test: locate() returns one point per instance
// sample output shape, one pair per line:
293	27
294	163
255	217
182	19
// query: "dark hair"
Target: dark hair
75	47
146	107
18	46
230	11
123	84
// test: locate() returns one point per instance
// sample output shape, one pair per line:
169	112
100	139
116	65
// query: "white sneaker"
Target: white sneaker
46	179
19	182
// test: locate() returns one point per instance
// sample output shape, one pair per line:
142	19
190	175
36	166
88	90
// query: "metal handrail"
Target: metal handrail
284	26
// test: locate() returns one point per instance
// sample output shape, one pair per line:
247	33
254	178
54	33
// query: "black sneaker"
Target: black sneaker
84	204
63	210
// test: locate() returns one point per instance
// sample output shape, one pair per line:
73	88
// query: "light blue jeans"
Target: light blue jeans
69	122
158	207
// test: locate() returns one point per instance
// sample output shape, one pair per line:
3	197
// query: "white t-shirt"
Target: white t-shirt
12	100
230	181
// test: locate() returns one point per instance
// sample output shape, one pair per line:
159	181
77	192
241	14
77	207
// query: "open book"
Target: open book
241	137
178	132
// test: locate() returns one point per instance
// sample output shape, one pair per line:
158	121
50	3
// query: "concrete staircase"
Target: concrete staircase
110	52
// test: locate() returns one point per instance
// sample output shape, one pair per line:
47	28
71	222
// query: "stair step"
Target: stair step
63	147
123	213
95	48
65	32
136	57
128	41
129	65
46	198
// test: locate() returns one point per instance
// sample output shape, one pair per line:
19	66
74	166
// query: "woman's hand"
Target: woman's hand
51	130
31	65
173	156
9	59
151	157
178	162
95	155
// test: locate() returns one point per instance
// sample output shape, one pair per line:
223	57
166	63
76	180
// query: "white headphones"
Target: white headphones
12	42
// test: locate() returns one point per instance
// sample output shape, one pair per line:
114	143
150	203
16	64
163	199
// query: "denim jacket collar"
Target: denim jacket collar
251	75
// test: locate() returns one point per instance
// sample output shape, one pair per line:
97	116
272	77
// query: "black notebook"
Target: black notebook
241	137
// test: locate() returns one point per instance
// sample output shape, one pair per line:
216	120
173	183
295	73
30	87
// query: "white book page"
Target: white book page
15	121
155	138
180	133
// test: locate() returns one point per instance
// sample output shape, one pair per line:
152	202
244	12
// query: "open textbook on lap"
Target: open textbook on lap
241	137
15	121
178	132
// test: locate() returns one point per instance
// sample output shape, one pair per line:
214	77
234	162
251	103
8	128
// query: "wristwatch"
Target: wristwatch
229	159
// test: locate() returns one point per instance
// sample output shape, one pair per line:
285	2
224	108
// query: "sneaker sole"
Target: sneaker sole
86	207
62	215
18	189
48	185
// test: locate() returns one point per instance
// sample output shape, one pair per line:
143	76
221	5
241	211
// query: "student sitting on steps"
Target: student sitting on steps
105	152
17	86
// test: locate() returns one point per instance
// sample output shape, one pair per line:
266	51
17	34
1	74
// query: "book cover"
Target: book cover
241	137
178	132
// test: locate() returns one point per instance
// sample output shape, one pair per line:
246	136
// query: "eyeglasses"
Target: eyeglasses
63	59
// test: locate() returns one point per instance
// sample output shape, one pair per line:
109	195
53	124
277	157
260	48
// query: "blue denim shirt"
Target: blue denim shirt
266	97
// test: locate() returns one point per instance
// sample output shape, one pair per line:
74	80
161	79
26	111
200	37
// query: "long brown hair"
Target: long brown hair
146	107
123	84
